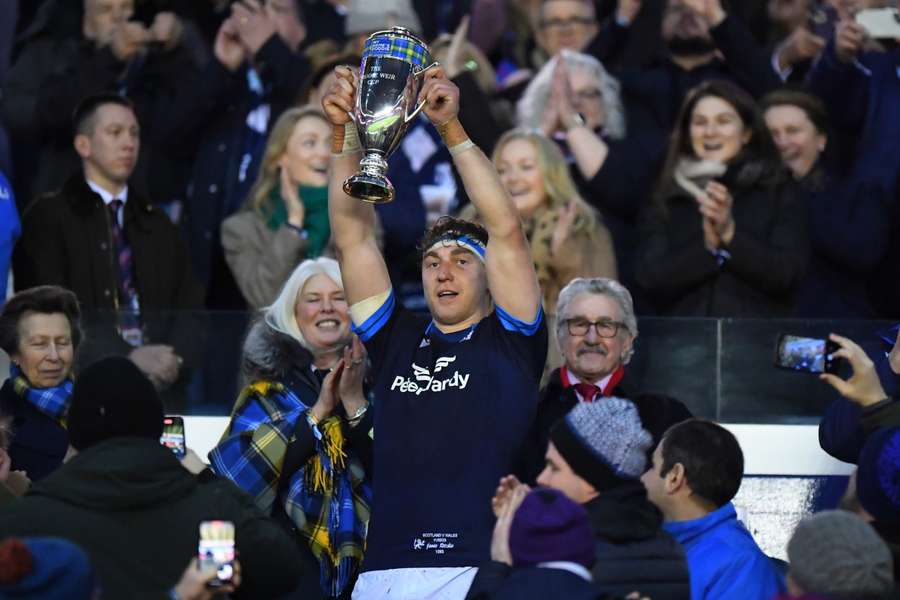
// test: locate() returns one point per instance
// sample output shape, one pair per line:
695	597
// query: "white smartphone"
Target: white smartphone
880	22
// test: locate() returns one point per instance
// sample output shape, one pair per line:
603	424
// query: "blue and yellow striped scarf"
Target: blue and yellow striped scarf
328	498
52	401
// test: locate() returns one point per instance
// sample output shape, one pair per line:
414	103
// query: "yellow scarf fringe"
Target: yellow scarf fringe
321	480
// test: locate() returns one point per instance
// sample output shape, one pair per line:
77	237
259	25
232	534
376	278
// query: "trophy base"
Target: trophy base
369	188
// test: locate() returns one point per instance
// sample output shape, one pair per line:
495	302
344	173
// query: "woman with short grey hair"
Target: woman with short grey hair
574	100
595	94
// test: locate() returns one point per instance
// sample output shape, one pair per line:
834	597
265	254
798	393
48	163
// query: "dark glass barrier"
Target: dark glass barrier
721	368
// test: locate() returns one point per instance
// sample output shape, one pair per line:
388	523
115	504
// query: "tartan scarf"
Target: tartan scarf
327	499
52	401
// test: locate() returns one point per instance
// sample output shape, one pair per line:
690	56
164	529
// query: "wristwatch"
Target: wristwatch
359	413
574	120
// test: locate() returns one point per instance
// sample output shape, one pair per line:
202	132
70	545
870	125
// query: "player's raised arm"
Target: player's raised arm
510	271
352	221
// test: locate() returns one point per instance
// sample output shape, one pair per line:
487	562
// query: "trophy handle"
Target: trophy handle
421	104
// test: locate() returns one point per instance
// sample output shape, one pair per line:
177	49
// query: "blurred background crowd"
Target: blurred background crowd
167	162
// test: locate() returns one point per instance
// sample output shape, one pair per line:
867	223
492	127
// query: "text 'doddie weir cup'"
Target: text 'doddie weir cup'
390	78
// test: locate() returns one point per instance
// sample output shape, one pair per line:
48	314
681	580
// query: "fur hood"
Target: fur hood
270	354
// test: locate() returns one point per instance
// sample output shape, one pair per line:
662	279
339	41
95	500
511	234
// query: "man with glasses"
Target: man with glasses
595	332
569	24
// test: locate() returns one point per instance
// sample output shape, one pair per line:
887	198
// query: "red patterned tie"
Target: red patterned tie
587	391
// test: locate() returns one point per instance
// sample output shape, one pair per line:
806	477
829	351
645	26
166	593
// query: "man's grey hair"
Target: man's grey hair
536	96
602	286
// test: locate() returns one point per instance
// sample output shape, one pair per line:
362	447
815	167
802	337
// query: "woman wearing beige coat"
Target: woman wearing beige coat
285	219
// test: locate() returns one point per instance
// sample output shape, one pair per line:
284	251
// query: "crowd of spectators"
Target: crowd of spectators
161	160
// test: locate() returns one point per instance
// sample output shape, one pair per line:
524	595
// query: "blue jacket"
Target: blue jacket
10	229
862	98
840	432
850	229
723	559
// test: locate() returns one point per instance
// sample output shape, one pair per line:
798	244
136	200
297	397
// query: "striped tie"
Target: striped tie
123	254
129	307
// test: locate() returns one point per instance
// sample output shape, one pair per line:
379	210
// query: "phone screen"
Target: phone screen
173	435
216	550
880	23
804	354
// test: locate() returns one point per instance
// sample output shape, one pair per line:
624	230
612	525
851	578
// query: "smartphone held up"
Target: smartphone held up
880	23
810	355
216	550
173	435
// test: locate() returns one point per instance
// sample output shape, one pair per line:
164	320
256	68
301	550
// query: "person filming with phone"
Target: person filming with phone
133	507
870	398
860	91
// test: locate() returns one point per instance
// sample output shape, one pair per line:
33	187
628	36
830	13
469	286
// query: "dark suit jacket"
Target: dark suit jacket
66	241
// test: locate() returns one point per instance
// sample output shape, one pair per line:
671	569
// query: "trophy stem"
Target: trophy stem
371	183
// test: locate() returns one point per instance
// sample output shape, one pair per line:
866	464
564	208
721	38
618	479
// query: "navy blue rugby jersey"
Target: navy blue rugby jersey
451	414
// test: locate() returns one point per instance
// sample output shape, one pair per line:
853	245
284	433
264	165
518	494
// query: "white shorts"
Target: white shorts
434	583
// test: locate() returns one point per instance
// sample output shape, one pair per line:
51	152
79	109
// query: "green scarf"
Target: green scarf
315	223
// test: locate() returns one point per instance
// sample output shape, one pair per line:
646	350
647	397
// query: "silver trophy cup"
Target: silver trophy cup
390	78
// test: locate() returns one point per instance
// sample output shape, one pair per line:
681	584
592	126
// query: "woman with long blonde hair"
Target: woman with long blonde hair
285	218
567	237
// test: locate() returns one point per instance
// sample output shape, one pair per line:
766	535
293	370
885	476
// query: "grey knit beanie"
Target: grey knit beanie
837	554
603	442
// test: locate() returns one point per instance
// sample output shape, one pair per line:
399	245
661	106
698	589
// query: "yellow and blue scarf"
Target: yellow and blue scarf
52	401
328	498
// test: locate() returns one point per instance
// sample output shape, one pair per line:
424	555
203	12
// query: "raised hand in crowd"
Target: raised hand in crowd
350	388
500	541
505	490
228	48
894	355
192	462
253	24
16	482
296	211
863	387
562	231
715	207
800	46
129	38
158	362
711	10
454	62
329	395
559	106
192	585
627	10
849	38
166	29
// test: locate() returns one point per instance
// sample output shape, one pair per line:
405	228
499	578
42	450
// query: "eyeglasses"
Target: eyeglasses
605	328
570	22
587	95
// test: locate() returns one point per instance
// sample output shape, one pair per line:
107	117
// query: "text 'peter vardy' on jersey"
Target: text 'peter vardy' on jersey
425	379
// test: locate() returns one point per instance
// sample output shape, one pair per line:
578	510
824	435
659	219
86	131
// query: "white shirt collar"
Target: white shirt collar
573	379
571	567
106	196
